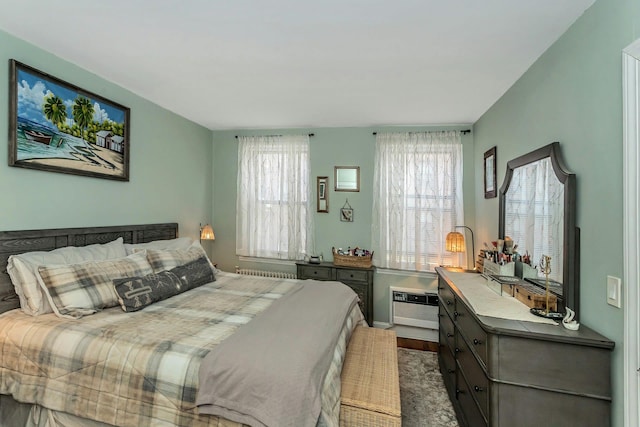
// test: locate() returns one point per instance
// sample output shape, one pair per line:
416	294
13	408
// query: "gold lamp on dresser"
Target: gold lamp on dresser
455	242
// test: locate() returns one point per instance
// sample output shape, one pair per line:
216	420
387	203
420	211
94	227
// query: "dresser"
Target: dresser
508	371
358	279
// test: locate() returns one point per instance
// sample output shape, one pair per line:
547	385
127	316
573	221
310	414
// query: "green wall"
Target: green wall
170	164
573	94
329	147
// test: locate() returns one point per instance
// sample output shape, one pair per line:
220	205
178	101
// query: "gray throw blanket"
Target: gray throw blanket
271	371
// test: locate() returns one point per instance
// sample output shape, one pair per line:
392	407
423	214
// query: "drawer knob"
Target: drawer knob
456	314
458	391
476	341
449	334
451	371
448	302
478	389
457	350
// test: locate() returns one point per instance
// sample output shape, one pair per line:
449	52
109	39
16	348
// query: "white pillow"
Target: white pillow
23	270
170	244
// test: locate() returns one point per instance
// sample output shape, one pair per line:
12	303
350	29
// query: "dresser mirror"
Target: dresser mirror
537	211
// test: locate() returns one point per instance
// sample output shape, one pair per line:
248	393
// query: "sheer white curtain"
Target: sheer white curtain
534	213
417	199
273	209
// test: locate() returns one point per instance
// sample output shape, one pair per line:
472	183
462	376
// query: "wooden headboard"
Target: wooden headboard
17	242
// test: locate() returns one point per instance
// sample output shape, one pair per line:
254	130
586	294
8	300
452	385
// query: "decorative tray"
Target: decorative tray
506	280
550	315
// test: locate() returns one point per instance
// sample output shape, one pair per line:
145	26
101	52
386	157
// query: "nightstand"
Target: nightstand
358	279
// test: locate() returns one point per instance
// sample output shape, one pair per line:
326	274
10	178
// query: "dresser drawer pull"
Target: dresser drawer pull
351	276
456	314
476	341
448	302
457	350
451	371
478	389
449	334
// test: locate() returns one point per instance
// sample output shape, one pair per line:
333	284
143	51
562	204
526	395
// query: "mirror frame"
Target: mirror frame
322	193
337	181
571	238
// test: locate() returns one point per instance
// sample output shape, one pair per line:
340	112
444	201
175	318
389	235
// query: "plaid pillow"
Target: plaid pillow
166	260
76	290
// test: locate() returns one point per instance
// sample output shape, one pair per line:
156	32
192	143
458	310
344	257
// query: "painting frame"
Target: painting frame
322	204
346	214
88	137
490	181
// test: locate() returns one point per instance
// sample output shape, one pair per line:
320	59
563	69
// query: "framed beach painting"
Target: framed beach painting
56	126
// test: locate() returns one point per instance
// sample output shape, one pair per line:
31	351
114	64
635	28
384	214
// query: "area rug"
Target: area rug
423	398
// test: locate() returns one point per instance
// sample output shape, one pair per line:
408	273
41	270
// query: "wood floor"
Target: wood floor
414	344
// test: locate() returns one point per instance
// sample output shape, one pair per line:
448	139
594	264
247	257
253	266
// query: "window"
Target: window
274	216
417	199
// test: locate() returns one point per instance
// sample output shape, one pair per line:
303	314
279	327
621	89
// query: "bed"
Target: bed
145	367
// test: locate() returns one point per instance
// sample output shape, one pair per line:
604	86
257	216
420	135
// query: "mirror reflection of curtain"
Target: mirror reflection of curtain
534	214
417	199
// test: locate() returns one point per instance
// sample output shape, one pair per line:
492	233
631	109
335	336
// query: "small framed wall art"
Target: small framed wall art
490	187
346	212
323	194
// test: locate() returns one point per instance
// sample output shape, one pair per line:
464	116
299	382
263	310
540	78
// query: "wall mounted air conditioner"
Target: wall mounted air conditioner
414	307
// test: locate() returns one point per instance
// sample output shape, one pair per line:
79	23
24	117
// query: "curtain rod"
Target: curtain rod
311	134
464	132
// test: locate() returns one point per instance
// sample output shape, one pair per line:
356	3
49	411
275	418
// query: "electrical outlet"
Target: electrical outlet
614	288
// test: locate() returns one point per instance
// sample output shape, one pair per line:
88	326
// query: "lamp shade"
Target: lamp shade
206	233
455	242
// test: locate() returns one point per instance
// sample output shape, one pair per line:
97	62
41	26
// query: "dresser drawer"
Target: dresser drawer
474	375
447	330
352	276
312	272
471	412
471	330
447	367
446	297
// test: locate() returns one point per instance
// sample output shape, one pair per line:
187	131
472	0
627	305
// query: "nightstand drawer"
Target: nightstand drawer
352	276
313	272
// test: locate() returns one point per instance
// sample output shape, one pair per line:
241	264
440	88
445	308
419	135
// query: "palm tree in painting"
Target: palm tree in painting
54	110
82	113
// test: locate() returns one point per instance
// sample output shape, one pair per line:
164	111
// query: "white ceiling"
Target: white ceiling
299	63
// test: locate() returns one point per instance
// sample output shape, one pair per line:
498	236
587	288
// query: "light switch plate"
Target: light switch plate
614	288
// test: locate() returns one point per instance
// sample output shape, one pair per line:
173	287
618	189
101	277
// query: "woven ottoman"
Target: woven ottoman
370	387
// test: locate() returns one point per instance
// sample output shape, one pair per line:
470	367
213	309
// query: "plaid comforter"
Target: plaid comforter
140	369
